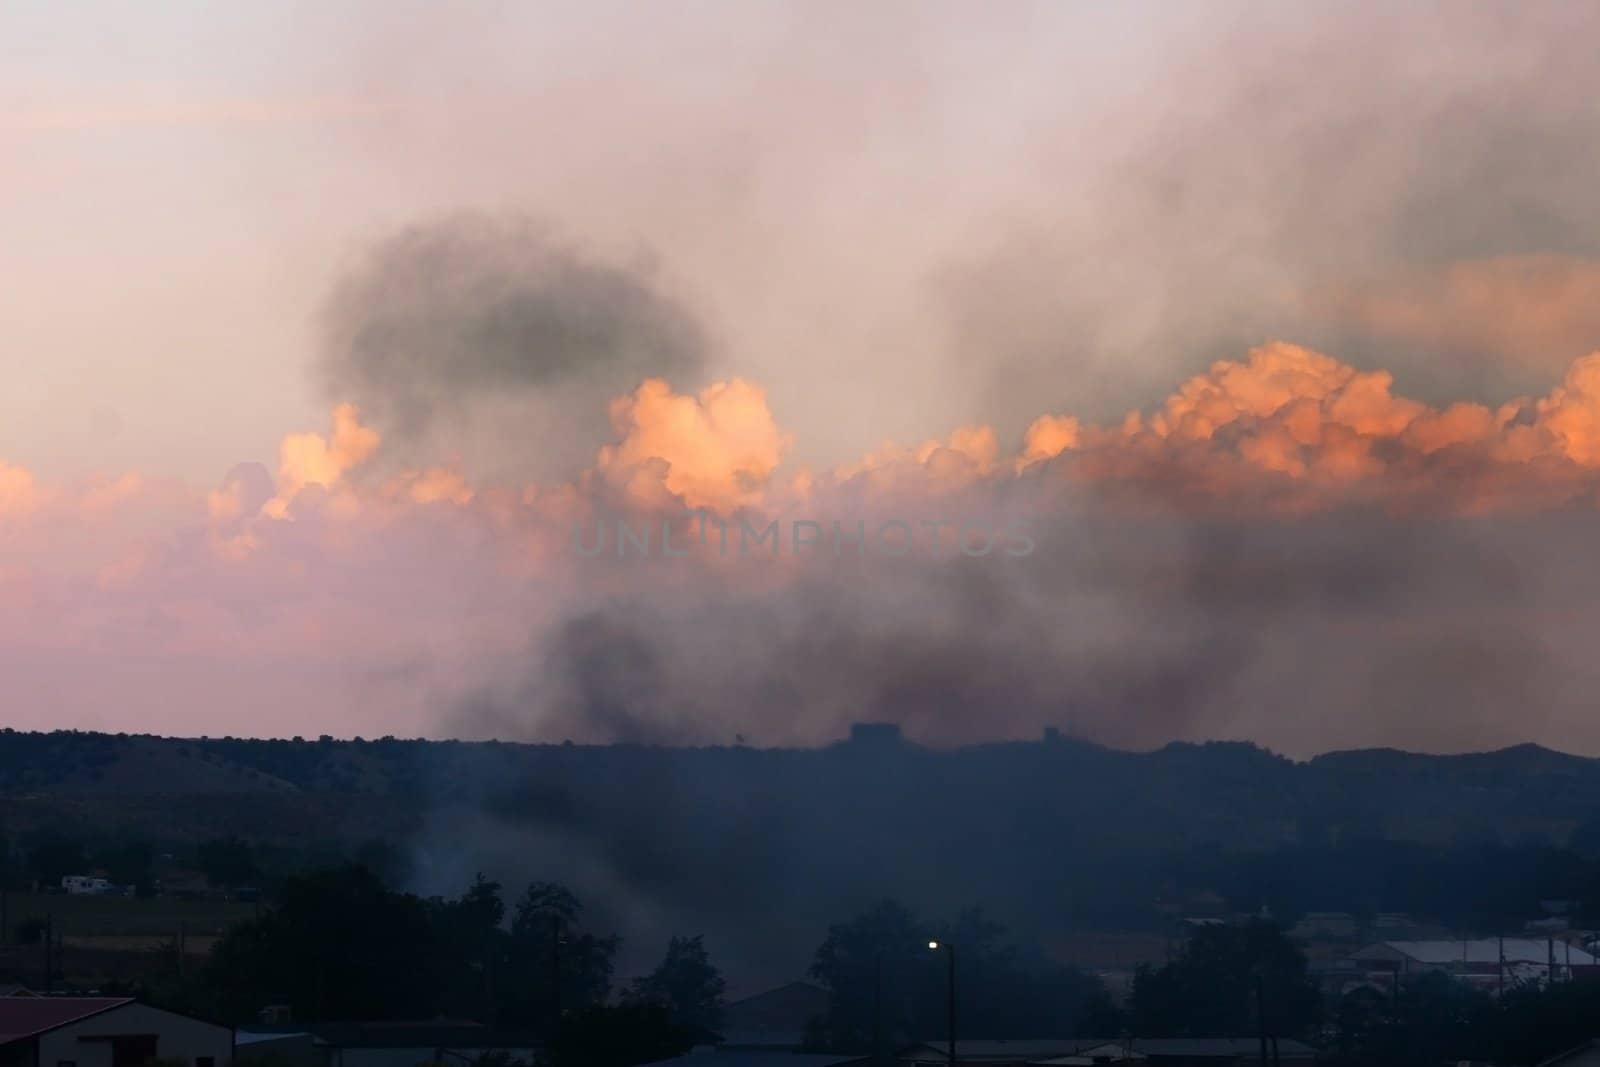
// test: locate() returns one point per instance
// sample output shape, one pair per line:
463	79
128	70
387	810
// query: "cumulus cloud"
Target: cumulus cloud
18	493
716	450
1285	549
313	459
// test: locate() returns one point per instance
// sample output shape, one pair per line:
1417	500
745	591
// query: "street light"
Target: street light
950	956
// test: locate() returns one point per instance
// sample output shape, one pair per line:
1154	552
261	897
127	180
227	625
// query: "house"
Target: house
1325	926
83	884
1187	1052
776	1019
379	1044
105	1032
1483	962
706	1057
1585	1055
1018	1052
1083	1052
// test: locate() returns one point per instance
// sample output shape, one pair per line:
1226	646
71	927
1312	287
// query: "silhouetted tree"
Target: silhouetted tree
128	863
1100	1016
1008	991
885	985
557	966
53	858
472	949
337	945
687	983
227	861
872	967
1210	989
385	859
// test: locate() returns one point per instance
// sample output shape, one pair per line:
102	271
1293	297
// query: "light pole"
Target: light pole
557	939
950	956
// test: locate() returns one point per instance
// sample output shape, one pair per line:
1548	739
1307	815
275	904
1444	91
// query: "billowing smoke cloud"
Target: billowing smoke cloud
1285	549
1397	183
493	338
1378	533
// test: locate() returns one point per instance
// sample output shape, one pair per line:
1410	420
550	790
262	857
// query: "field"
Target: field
81	918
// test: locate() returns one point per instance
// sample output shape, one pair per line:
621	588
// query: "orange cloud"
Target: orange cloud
1285	428
715	450
312	459
1297	430
19	495
1281	431
969	455
1048	436
1570	414
433	485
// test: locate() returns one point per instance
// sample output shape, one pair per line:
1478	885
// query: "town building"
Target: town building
380	1044
709	1057
775	1019
1186	1052
105	1032
1084	1052
1485	962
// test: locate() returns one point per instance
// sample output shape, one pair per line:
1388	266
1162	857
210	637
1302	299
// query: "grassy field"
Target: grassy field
104	916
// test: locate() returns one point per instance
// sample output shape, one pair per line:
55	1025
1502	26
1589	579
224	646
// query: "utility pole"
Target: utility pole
556	941
1261	1017
1500	967
877	1010
49	948
950	954
952	998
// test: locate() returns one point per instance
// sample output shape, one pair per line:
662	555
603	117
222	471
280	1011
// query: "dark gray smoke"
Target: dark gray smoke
1344	630
494	339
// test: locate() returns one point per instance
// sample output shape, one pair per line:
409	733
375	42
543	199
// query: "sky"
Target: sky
322	325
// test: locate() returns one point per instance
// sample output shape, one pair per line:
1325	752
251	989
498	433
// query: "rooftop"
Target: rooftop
757	1058
786	1008
428	1033
1483	950
24	1017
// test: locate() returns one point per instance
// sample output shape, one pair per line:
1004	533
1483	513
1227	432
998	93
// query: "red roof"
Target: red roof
22	1017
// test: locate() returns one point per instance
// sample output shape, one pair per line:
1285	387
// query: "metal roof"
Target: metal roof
788	1007
758	1058
1203	1047
419	1034
1483	950
24	1017
1033	1048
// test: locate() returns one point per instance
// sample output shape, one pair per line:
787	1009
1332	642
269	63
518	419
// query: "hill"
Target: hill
1052	835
